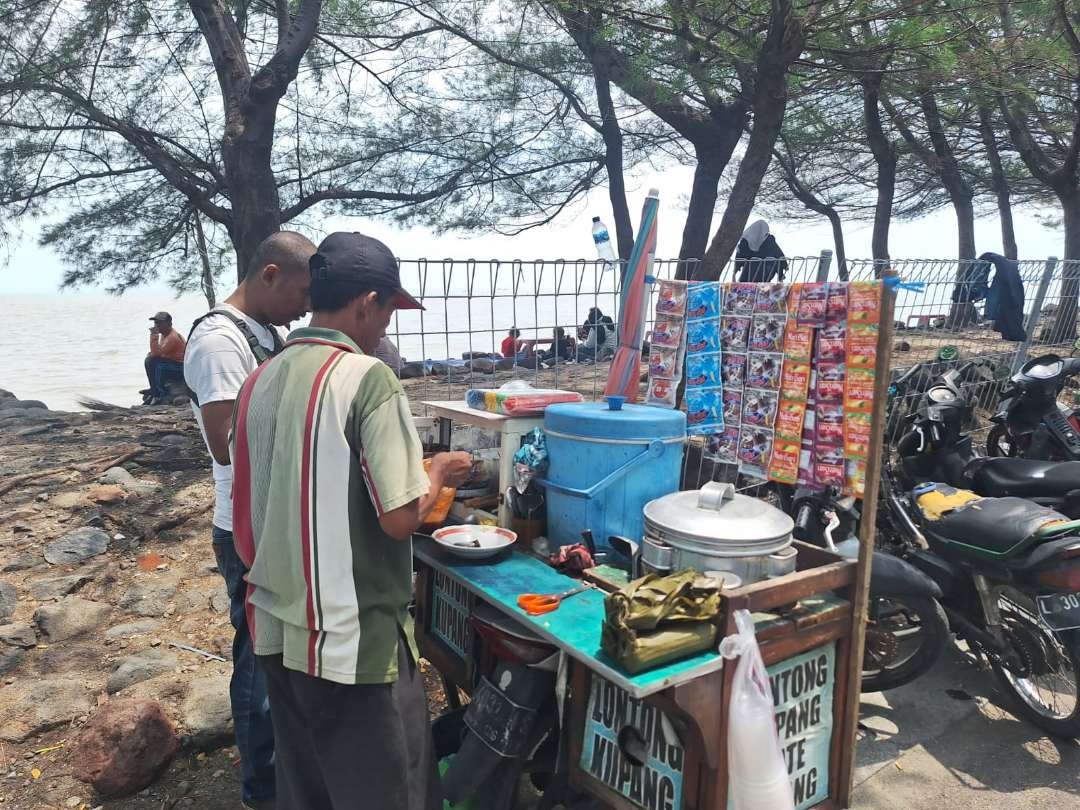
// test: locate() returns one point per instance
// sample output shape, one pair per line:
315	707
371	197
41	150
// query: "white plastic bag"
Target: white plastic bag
757	776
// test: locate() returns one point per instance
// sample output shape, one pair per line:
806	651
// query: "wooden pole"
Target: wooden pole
867	530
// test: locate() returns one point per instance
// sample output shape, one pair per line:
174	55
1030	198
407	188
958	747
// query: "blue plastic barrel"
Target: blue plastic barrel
606	461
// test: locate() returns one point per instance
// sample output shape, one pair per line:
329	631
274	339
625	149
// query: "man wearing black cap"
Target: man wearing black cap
328	487
165	363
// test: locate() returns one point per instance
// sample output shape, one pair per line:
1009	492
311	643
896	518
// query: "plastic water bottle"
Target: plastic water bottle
603	241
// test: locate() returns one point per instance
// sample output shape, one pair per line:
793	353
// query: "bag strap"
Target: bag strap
260	352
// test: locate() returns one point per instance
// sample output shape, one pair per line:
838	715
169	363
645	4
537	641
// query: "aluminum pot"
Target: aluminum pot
717	529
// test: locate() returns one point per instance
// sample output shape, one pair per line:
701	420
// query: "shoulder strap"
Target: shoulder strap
260	352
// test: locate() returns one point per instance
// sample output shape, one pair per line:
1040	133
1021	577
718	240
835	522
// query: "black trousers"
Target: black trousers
363	747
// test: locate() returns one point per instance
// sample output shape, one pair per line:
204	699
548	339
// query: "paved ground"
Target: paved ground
949	741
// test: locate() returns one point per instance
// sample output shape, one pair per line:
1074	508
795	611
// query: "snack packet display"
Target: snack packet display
813	304
739	299
668	342
704	410
671	299
703	370
755	450
703	300
667	332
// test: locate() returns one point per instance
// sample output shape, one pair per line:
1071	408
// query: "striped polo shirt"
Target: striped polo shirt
323	444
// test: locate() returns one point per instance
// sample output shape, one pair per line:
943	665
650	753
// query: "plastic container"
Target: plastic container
605	462
602	240
437	516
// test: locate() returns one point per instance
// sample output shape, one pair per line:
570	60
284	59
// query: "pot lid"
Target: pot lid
717	519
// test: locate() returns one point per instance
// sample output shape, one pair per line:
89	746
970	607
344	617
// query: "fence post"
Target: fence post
824	261
1036	312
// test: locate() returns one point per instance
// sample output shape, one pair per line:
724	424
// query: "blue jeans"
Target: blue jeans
247	689
159	371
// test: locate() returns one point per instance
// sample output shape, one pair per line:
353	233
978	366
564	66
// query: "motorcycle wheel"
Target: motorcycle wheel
1048	692
999	445
904	638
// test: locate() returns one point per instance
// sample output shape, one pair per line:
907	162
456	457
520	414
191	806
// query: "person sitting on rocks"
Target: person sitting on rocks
165	363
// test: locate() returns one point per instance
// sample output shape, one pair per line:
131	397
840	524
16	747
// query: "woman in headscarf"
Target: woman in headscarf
758	257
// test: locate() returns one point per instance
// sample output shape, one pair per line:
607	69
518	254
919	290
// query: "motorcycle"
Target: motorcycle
1029	423
937	448
907	629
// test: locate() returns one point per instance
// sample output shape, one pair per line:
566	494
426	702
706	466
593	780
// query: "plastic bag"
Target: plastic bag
757	775
517	398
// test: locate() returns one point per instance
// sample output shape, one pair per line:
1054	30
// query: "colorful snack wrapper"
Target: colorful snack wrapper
830	382
856	478
739	299
828	475
703	370
798	342
864	302
724	446
784	464
671	298
734	333
662	392
703	300
828	413
795	380
831	432
732	407
767	333
812	304
763	370
755	449
704	410
790	417
733	370
663	362
859	391
759	407
857	436
862	345
830	348
702	336
771	299
667	333
836	302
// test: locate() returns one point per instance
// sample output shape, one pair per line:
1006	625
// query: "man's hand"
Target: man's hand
217	420
452	469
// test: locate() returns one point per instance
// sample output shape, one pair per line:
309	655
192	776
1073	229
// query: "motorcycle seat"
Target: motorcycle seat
995	527
1025	478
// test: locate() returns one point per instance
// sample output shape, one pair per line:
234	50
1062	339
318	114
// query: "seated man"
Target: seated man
512	343
562	347
165	363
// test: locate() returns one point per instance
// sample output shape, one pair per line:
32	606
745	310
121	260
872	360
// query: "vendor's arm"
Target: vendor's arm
217	419
383	436
215	368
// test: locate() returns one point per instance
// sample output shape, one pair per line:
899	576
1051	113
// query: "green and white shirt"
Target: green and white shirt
323	445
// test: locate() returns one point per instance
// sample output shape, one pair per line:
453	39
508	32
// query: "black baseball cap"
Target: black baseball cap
355	258
161	316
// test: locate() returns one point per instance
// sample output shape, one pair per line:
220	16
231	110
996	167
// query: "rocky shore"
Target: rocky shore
114	631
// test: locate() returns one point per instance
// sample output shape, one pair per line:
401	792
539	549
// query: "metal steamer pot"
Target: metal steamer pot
717	529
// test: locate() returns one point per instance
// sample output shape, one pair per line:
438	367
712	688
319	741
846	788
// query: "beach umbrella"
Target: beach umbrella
623	379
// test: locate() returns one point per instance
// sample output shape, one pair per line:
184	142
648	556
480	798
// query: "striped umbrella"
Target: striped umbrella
623	379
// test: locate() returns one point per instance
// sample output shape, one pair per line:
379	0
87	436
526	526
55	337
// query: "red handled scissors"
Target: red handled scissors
536	604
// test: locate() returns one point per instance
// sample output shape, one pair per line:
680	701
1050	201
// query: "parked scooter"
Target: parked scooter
907	629
936	448
1029	423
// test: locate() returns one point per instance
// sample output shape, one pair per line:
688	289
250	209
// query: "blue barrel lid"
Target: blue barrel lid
598	420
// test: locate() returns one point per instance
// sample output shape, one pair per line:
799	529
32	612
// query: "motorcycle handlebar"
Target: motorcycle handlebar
802	519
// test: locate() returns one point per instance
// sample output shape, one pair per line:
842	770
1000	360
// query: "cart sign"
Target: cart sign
451	604
803	691
654	785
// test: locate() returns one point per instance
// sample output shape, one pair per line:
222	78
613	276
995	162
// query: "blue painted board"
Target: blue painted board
574	627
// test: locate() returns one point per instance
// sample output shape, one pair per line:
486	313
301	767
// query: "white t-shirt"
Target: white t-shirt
216	363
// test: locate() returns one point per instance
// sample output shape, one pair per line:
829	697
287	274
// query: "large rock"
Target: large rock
10	657
124	747
140	667
8	600
118	476
57	587
206	713
34	706
69	617
5	394
9	403
18	635
76	546
22	561
129	629
149	598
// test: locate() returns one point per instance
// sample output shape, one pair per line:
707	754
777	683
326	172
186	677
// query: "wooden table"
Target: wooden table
511	429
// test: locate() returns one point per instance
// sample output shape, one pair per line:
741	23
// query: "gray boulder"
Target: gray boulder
57	587
129	629
76	546
10	657
206	713
18	635
140	667
69	617
149	598
34	706
8	600
22	561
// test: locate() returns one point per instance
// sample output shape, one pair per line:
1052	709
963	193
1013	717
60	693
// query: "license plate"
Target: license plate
1061	610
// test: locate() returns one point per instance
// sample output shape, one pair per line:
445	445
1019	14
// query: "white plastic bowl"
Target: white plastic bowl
458	540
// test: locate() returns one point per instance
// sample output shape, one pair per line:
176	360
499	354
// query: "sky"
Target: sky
31	269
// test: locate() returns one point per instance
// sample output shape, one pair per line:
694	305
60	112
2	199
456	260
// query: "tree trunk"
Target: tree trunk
770	102
711	163
885	157
999	184
207	278
245	153
613	162
963	313
838	241
1064	328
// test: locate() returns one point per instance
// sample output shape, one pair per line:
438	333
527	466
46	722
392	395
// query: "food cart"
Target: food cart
658	739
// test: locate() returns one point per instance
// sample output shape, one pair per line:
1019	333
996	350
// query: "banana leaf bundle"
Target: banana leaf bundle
654	620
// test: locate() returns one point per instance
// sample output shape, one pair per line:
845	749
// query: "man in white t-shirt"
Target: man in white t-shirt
224	347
